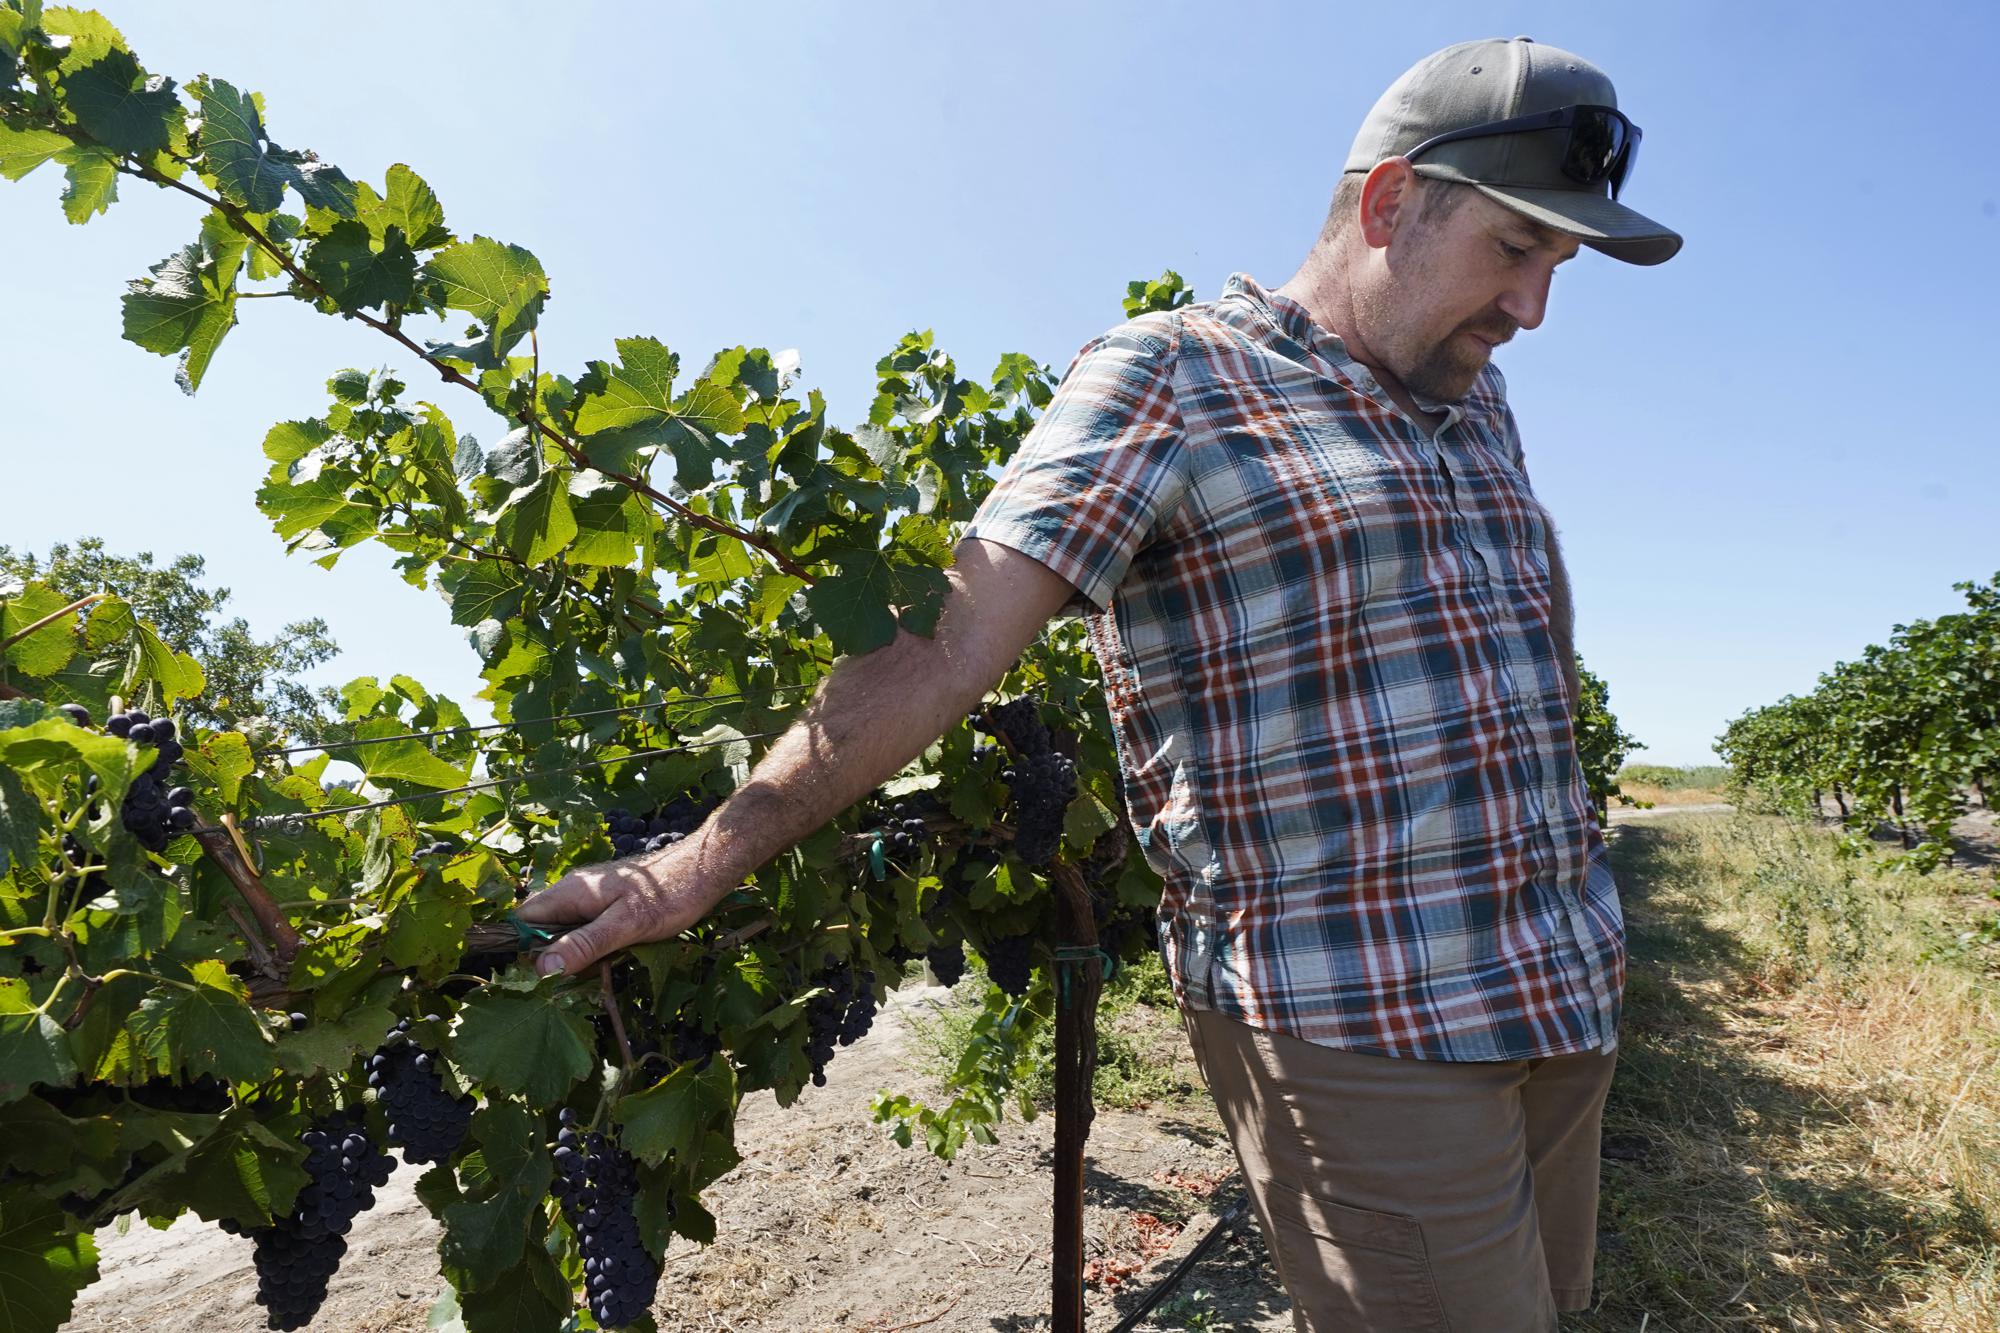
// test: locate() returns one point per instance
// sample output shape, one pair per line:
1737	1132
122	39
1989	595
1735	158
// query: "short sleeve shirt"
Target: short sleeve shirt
1325	638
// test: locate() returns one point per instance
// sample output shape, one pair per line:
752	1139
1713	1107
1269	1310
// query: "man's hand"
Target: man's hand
622	902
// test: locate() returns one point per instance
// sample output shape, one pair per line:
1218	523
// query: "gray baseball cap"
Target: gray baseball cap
1477	83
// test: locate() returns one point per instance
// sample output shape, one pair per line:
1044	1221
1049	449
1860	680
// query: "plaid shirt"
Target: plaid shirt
1325	641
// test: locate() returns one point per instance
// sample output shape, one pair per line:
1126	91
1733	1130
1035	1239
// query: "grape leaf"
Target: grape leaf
121	106
20	821
49	649
240	1170
21	151
854	607
501	284
409	205
537	523
674	1114
506	1180
427	929
33	1050
43	1265
90	35
186	306
251	171
633	406
406	761
612	522
93	183
225	760
530	1297
330	1045
524	1044
486	590
356	271
205	1027
177	674
109	622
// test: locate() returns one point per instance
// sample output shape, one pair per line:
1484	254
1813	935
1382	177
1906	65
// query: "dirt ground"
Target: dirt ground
826	1225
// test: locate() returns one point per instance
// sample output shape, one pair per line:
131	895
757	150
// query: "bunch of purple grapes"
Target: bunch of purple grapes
152	812
1040	778
632	834
298	1255
841	1015
596	1181
425	1120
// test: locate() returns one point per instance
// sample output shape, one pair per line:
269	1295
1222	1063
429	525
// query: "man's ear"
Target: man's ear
1388	195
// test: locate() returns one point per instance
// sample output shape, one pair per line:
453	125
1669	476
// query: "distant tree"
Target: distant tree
252	682
1601	744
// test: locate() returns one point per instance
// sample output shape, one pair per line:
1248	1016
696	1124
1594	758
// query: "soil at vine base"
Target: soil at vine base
827	1224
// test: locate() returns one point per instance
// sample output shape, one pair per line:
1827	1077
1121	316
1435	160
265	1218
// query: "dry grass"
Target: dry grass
1665	796
1811	1090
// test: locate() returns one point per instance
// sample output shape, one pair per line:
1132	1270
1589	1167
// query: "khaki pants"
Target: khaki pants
1414	1196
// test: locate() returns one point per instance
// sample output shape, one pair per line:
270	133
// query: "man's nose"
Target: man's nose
1528	300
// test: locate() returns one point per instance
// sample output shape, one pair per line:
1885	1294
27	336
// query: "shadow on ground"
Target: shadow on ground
1684	1076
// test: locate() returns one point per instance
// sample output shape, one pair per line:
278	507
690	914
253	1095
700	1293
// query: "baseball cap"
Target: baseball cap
1474	83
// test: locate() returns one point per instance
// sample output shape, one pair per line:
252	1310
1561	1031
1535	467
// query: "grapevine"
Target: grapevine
658	564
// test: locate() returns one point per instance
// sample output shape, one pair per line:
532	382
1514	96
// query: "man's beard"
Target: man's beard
1447	370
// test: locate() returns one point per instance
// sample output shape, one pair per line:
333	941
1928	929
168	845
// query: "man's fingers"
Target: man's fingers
577	896
616	928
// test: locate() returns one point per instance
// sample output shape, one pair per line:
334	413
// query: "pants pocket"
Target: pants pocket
1349	1268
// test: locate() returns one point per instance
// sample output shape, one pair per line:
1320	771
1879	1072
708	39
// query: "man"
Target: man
1334	630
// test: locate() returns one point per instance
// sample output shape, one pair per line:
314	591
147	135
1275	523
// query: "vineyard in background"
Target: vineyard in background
1906	736
232	986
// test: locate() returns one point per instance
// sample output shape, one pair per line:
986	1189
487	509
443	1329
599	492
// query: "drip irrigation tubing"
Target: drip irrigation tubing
691	701
341	811
1223	1225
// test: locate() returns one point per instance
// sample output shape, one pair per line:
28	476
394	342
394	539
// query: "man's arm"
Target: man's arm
872	715
1562	614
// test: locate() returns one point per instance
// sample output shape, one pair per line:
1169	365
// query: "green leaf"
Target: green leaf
633	403
20	822
357	271
403	762
90	35
92	176
33	1050
225	760
186	306
206	1027
537	522
673	1115
178	675
529	1045
110	621
329	1045
409	205
121	106
484	1236
530	1297
251	171
240	1171
43	1265
487	590
501	284
21	151
49	649
427	930
639	390
613	522
855	606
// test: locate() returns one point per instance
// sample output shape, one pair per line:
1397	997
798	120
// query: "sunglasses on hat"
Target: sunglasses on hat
1602	142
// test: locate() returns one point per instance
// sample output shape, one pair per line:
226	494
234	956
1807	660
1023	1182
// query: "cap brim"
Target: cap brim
1602	224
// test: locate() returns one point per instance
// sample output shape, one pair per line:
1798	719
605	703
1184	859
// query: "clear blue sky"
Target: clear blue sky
1761	455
